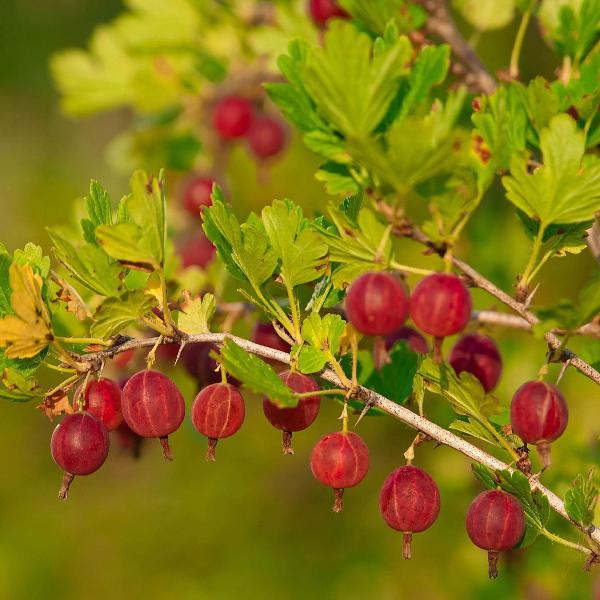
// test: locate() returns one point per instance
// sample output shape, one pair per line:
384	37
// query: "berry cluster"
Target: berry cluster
151	406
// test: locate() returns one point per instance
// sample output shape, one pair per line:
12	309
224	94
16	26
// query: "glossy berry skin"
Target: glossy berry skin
232	117
103	400
409	502
198	251
128	440
478	355
440	305
340	460
539	415
266	137
495	522
218	412
415	341
265	335
153	407
376	304
301	416
323	10
199	364
197	194
79	446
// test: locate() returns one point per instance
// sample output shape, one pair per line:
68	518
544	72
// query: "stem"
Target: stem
319	393
399	267
384	240
533	257
559	540
295	315
84	340
516	51
165	302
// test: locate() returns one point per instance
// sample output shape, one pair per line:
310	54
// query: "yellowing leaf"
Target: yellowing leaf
28	331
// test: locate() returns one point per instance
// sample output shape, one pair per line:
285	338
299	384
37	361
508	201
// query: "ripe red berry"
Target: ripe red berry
440	305
301	416
495	522
265	335
232	117
539	415
323	10
416	342
198	251
197	194
376	304
102	399
340	460
266	137
478	355
218	412
153	407
199	364
79	446
409	502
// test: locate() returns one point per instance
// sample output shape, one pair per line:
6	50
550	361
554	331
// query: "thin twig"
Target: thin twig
369	397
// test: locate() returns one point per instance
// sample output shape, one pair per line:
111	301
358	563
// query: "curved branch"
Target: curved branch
368	396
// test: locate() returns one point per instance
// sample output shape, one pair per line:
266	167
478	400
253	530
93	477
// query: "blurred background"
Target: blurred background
255	524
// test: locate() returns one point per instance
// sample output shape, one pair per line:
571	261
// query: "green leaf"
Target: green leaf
256	374
140	242
540	101
196	314
353	81
322	341
358	246
5	291
473	428
17	381
99	209
566	189
88	264
395	379
300	250
485	475
337	179
115	314
430	69
581	499
485	15
244	249
377	14
33	255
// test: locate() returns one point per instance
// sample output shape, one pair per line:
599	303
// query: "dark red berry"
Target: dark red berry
266	137
218	412
232	117
495	522
265	335
440	305
121	360
198	251
340	460
153	407
102	399
539	415
167	353
323	10
416	342
478	355
376	304
301	416
129	440
199	364
79	446
197	194
409	502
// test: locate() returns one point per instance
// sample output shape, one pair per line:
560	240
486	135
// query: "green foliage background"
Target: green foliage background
255	524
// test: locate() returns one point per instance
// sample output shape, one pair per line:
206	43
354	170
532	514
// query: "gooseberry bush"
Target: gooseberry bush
413	132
